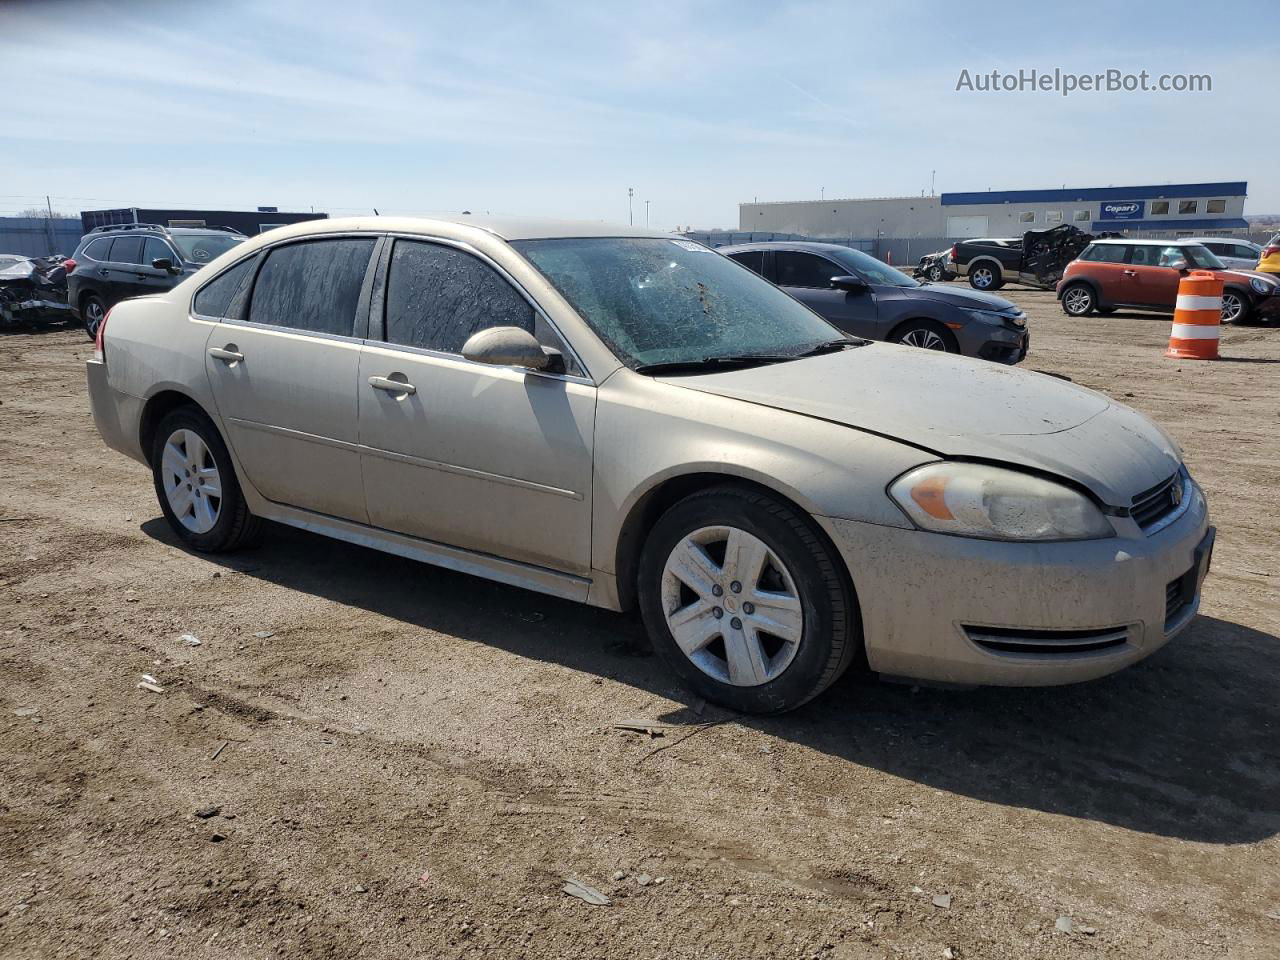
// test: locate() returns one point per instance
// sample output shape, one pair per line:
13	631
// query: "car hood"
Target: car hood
961	297
966	409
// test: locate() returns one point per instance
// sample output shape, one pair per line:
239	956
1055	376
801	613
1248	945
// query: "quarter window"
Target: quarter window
214	298
1159	208
1188	206
795	269
312	286
126	250
437	297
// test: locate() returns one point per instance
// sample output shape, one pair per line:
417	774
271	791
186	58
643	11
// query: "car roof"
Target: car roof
1149	243
1217	240
506	228
811	245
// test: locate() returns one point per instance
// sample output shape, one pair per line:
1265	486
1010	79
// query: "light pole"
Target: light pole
630	218
646	213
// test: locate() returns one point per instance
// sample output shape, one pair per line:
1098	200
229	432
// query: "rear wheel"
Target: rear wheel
92	311
1078	300
985	276
744	601
196	484
926	334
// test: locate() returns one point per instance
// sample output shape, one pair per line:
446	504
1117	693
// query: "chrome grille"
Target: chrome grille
1047	642
1152	506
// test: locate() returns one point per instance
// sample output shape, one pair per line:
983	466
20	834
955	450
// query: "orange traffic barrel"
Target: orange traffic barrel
1197	318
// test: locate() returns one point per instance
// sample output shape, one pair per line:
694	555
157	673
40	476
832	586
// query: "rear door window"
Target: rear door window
753	259
1105	253
796	269
313	286
126	250
437	297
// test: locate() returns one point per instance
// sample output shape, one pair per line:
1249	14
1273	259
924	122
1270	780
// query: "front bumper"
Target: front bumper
1267	307
997	343
931	603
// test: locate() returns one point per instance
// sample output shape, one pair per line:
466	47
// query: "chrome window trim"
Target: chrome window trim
459	359
519	287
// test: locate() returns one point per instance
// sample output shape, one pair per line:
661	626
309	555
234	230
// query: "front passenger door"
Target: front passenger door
491	459
807	277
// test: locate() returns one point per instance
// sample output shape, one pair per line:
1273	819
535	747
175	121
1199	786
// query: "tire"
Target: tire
92	312
809	599
1236	306
985	276
186	441
1079	300
926	334
935	273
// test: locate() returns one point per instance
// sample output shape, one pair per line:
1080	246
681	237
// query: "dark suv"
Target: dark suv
114	263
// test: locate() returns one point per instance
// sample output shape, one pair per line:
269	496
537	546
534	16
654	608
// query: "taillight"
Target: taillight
97	340
68	265
952	255
1270	251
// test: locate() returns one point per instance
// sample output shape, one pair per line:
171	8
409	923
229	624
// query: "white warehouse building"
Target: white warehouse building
1166	210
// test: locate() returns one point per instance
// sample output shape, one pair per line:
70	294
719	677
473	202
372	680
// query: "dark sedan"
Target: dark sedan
867	298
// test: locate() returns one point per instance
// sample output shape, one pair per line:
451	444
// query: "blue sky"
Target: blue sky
557	108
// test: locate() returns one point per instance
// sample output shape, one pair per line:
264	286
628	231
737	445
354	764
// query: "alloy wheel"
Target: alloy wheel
191	481
924	338
983	277
732	606
1077	300
93	314
1232	307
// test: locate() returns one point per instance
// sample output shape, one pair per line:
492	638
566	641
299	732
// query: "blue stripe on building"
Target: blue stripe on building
1161	192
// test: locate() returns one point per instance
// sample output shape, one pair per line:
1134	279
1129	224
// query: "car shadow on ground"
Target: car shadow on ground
39	326
1182	745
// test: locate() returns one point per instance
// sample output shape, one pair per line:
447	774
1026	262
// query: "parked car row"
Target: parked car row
1144	275
1036	259
626	418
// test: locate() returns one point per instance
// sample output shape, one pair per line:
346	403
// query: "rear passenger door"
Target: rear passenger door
121	271
490	459
283	367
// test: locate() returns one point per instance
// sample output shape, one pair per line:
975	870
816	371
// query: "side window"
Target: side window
1216	206
754	259
1219	248
1104	253
126	250
154	248
1145	256
1188	206
314	285
1081	216
797	269
1159	208
1027	216
99	249
437	297
1244	253
214	298
1170	255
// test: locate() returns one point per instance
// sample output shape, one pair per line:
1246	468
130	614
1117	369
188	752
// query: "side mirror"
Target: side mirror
507	347
1178	265
851	284
165	264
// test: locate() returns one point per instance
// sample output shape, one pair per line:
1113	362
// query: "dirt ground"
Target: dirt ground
407	762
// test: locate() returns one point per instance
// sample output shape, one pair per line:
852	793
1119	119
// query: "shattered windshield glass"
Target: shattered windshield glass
657	300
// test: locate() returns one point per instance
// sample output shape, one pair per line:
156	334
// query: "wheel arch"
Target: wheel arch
920	317
158	406
666	492
1083	282
983	258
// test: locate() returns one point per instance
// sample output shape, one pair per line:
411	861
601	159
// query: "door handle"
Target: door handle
227	356
1130	273
392	386
103	272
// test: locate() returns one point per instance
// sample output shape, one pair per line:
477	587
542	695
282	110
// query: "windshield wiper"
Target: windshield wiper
831	346
713	363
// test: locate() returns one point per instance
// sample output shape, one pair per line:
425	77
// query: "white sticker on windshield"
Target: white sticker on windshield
690	245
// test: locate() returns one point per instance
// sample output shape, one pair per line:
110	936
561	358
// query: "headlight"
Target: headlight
993	317
1262	286
991	503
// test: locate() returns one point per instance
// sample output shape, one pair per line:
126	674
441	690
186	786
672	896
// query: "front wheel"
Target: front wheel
196	484
927	335
743	600
1235	306
1078	300
935	273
